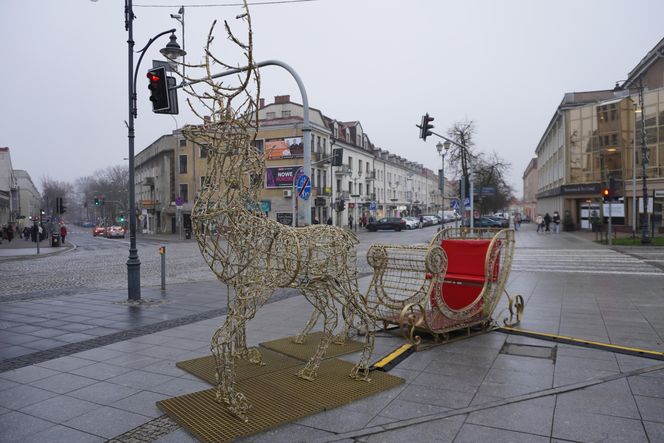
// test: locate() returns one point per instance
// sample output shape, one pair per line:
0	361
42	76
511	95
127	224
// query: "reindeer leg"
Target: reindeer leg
299	338
324	305
222	345
252	354
358	303
347	315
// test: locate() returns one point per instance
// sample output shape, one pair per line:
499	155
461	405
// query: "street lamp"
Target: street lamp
442	150
173	52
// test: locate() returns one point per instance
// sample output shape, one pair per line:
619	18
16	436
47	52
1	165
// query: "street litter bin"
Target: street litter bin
55	240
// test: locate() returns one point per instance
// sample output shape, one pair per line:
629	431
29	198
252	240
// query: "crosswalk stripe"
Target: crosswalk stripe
575	261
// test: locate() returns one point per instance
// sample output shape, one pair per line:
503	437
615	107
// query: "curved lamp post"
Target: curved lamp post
173	51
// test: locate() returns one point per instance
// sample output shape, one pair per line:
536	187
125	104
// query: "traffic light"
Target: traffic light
612	186
341	205
606	194
337	157
60	207
96	201
426	126
122	218
158	89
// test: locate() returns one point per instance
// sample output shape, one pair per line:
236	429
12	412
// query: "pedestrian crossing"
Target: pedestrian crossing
581	261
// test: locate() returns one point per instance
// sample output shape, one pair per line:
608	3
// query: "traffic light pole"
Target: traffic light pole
463	178
133	262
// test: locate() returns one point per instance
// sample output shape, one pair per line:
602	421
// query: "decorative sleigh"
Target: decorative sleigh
460	294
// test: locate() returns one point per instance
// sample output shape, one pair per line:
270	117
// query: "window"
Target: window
259	145
183	142
203	150
270	115
285	113
183	164
184	192
203	186
350	163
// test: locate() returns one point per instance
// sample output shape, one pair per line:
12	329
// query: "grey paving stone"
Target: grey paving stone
144	403
647	386
23	395
100	354
465	383
103	393
6	384
434	396
167	367
28	374
576	425
403	410
651	408
610	398
443	431
180	386
17	426
531	416
59	409
63	383
65	364
292	433
107	422
178	436
100	371
11	351
132	361
337	420
654	430
471	433
62	434
140	379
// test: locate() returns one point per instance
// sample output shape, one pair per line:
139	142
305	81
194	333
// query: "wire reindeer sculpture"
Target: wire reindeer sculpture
250	253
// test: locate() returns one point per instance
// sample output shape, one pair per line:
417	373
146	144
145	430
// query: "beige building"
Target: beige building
530	187
596	136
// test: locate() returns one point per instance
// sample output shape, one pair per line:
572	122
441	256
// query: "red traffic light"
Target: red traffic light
153	78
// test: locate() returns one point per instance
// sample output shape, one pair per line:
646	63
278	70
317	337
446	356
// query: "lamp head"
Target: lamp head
172	50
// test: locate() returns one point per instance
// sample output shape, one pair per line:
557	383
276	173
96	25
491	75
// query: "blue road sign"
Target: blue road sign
467	202
373	206
303	187
454	204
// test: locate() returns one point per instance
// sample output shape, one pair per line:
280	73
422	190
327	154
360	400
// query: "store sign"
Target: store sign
285	218
281	177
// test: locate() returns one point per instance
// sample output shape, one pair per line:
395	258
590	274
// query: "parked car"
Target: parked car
504	222
487	222
115	231
395	223
430	220
412	222
98	230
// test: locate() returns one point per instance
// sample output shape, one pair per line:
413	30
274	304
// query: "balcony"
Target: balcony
370	175
342	170
321	158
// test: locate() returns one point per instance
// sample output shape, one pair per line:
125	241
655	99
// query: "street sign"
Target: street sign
454	204
303	187
467	202
373	206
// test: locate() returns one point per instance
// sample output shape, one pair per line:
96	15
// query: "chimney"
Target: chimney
280	99
261	103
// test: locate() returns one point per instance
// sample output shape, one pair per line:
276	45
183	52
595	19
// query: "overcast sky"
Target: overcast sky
503	64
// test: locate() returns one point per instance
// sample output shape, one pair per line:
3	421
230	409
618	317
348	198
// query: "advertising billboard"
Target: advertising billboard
281	177
289	147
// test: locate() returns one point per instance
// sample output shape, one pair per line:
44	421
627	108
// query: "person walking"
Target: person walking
350	221
547	222
540	222
556	223
63	233
517	221
329	220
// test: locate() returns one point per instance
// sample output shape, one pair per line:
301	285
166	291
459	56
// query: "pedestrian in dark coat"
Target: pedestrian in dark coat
547	222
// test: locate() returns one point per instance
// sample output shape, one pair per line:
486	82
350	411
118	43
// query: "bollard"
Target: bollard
162	253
